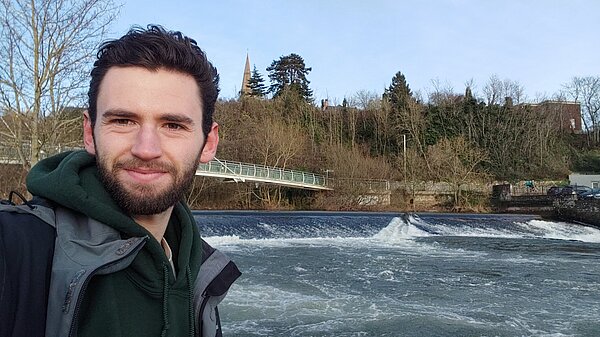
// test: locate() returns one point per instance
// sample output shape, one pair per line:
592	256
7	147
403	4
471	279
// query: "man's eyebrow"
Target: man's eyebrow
167	117
118	113
175	118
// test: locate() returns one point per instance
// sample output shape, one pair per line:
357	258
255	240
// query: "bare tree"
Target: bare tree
46	48
411	119
277	147
455	161
359	105
356	163
282	143
496	91
381	114
356	172
586	91
441	92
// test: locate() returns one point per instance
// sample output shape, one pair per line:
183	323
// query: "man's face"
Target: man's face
148	137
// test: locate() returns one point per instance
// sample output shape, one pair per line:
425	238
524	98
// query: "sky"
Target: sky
358	45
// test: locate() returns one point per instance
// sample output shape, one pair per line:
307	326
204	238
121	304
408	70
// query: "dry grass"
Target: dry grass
12	178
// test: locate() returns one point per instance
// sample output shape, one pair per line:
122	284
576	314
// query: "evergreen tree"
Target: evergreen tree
289	73
398	92
256	84
401	119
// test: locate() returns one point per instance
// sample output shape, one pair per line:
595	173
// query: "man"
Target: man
126	258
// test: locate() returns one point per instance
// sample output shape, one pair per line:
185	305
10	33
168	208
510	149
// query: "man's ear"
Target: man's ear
88	134
210	146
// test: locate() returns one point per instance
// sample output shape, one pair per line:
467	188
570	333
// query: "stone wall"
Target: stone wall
503	201
585	211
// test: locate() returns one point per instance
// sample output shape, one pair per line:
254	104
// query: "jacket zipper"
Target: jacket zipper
87	280
201	312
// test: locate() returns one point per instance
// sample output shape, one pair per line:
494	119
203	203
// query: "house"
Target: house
583	179
565	115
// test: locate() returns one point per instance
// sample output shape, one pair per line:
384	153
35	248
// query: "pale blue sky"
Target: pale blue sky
356	45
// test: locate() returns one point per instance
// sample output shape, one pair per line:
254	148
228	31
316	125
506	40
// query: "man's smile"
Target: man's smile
144	174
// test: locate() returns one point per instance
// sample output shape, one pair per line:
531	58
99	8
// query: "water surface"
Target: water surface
388	274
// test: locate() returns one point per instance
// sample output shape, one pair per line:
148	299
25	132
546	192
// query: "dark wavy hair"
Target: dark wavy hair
154	48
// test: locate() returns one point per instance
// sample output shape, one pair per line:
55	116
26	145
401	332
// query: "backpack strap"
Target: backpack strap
38	207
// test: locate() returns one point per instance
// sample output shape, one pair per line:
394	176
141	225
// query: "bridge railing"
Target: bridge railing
10	153
237	170
245	170
364	184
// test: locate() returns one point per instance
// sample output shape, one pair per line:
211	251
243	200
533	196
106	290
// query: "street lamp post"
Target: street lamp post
327	176
404	153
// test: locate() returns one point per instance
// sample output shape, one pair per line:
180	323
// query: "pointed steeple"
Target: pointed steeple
246	80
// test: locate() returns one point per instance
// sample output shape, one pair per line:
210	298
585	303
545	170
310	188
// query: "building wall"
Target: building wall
590	180
566	115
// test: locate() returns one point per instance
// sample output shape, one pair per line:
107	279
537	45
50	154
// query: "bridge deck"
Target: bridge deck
241	172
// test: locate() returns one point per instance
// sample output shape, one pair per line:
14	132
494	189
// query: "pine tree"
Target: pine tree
289	73
398	92
401	119
256	84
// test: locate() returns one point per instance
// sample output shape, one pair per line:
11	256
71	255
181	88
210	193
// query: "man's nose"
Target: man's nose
147	144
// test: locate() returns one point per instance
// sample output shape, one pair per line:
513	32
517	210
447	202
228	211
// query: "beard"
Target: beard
145	199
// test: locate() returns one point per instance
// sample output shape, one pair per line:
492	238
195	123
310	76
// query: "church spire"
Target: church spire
246	80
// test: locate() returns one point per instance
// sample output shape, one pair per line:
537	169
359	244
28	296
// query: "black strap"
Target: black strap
10	201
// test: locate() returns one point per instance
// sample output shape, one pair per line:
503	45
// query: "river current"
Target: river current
391	274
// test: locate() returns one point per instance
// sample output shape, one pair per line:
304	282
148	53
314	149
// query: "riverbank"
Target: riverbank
586	212
565	208
212	194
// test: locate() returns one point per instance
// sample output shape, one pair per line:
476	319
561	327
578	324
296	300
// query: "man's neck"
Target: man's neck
156	224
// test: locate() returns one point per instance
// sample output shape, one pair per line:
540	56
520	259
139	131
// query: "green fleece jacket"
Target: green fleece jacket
144	299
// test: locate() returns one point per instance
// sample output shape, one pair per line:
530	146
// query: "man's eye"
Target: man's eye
122	121
174	126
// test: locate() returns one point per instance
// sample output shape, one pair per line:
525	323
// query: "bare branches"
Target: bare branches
46	48
496	91
586	91
455	161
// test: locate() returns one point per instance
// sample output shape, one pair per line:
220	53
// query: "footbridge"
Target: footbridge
244	172
224	169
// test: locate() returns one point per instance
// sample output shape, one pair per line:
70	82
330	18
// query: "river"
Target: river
389	274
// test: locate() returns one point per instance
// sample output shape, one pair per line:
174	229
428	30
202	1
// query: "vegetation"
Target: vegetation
586	90
46	48
288	75
256	83
445	140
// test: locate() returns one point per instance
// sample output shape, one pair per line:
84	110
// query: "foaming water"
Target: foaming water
387	274
400	229
390	229
564	231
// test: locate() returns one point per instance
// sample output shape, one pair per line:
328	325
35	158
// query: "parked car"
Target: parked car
568	190
554	190
579	189
593	194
